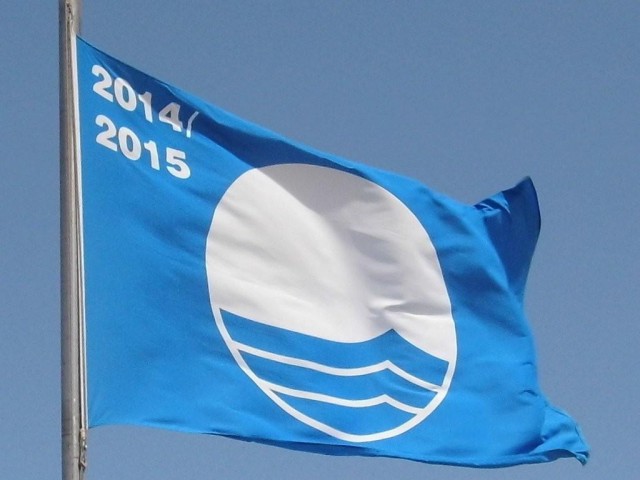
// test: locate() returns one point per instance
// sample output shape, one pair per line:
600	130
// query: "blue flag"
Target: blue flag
241	284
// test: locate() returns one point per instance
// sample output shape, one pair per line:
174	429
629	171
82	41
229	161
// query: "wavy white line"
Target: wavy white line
363	403
343	372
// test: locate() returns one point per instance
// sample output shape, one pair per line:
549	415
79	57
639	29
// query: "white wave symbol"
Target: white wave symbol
347	387
383	366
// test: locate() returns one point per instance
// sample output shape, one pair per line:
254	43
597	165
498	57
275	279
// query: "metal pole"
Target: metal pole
72	321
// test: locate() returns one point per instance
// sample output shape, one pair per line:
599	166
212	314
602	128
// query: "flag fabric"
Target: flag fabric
238	283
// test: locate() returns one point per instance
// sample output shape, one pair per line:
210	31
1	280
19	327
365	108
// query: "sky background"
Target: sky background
468	97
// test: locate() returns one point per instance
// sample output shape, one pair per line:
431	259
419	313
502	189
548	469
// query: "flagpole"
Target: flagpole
73	431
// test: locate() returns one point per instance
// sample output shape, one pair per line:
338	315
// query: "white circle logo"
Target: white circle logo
329	294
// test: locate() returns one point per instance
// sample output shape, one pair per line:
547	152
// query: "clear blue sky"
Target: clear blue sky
468	97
